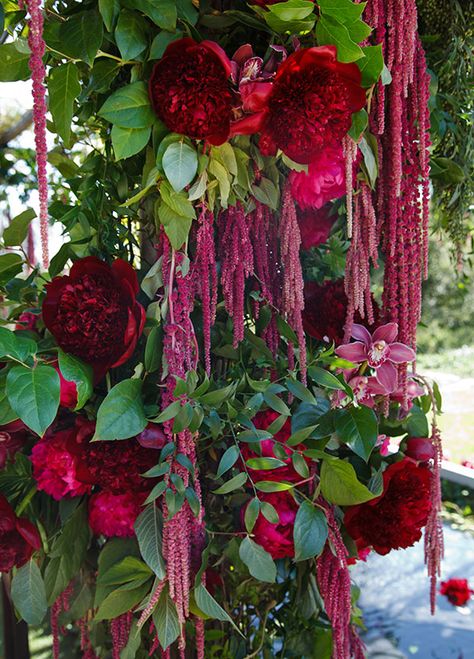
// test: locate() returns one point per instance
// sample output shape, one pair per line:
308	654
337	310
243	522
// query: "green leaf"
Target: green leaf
81	36
360	121
121	414
300	391
339	484
264	463
208	605
259	562
276	403
417	423
34	395
130	34
169	412
368	147
269	512
300	465
10	265
158	490
310	531
371	64
176	226
180	164
166	620
344	11
162	41
357	427
103	73
330	31
273	486
232	484
325	378
109	10
162	12
124	571
222	176
28	593
251	513
129	141
63	88
17	231
293	16
149	529
13	63
154	349
121	600
228	460
250	436
6	413
129	107
75	370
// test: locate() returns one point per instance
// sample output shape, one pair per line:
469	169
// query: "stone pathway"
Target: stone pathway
395	602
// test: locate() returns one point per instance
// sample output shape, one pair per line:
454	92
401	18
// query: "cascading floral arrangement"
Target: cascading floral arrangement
206	416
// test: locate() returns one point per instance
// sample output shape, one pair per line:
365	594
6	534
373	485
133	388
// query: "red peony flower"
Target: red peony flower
13	437
394	519
190	91
457	591
311	103
262	421
58	463
325	180
114	515
277	539
19	538
67	389
315	226
93	314
27	321
420	449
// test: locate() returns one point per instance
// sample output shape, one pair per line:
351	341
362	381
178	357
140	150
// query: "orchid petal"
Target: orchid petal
387	333
387	376
400	353
353	352
361	333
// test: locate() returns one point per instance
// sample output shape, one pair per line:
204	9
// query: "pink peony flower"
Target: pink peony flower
277	539
114	515
380	351
315	226
364	388
325	180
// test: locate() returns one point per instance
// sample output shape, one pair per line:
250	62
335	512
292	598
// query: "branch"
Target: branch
21	125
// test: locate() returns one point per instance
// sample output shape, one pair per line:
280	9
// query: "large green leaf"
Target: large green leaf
149	529
13	63
130	34
162	12
17	231
177	227
162	41
357	427
28	593
259	562
180	163
121	600
339	484
232	484
63	88
10	265
33	394
129	141
166	620
81	36
109	10
208	605
129	107
330	31
75	370
371	64
310	531
121	414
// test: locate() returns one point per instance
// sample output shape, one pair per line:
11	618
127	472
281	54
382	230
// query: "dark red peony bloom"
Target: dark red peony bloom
114	515
393	520
315	226
19	538
457	591
58	463
93	313
311	103
262	421
12	439
277	539
325	310
420	449
190	91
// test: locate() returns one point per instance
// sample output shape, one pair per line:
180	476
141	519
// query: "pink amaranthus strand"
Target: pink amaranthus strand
204	278
334	583
183	534
434	542
61	604
38	72
120	631
292	298
236	255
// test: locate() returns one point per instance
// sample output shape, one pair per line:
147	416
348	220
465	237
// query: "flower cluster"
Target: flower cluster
457	591
19	538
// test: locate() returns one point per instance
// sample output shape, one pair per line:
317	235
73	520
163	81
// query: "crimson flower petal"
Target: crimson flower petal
353	352
400	353
387	376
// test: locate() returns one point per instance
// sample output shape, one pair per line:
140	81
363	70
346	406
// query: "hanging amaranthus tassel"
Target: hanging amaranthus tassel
61	604
37	47
434	543
85	640
120	631
334	583
205	278
292	299
236	256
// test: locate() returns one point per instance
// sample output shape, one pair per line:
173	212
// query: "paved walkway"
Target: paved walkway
395	601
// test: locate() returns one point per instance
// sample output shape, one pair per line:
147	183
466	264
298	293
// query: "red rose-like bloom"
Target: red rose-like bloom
393	520
114	515
18	538
315	226
325	311
420	449
58	464
277	539
93	313
190	92
67	390
325	180
457	591
27	321
12	439
310	105
262	420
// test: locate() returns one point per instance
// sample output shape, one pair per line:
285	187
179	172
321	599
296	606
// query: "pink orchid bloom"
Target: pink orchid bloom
383	444
364	388
380	351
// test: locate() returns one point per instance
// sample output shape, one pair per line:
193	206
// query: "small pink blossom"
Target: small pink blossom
383	443
380	351
365	388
